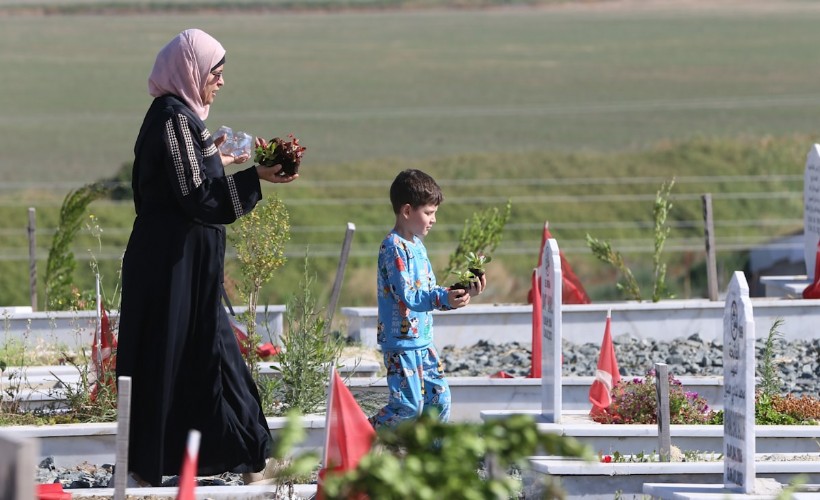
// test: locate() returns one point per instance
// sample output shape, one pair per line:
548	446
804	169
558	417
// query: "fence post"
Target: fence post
340	273
711	261
32	257
662	392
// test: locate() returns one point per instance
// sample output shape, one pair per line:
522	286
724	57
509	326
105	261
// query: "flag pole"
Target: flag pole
98	330
331	381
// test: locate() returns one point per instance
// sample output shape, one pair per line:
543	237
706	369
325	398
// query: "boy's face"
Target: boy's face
419	220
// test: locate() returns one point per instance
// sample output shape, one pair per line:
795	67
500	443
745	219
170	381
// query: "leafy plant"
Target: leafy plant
61	264
463	280
769	380
481	235
660	213
635	402
86	399
477	263
259	238
629	285
436	460
281	152
307	353
603	250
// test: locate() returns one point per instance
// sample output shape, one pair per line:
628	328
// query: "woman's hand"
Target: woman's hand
271	174
229	159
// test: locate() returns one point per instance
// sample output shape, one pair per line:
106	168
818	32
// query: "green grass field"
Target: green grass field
575	114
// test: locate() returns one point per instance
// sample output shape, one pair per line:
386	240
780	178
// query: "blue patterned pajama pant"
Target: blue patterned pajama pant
415	381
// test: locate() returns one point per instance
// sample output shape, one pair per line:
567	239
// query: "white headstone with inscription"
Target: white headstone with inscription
18	460
738	387
811	209
551	282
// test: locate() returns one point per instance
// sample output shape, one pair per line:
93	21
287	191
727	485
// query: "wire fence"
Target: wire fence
756	231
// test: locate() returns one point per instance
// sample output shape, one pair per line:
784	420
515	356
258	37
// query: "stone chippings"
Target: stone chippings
797	363
102	476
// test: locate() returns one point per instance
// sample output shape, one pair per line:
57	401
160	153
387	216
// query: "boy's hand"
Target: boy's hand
476	287
458	298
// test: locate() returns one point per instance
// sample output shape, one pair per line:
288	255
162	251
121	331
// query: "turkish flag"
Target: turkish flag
105	358
537	326
349	434
607	375
187	476
572	291
264	351
52	491
813	291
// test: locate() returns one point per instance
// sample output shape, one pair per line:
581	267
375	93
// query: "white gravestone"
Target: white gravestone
738	388
551	291
811	209
18	461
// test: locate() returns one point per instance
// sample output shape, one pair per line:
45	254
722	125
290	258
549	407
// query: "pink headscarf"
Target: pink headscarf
182	68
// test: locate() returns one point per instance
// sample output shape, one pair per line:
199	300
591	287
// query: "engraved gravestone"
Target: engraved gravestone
551	291
18	460
738	387
811	208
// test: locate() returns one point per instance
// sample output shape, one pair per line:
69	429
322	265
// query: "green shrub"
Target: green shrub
427	459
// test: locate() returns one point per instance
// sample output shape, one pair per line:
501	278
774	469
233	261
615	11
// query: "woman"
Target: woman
175	341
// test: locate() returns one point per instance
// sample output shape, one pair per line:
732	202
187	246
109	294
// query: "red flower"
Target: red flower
606	459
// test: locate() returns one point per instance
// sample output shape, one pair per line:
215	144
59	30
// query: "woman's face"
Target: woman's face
214	82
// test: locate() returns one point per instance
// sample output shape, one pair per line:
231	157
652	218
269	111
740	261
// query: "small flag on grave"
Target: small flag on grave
813	291
349	435
572	291
187	477
607	375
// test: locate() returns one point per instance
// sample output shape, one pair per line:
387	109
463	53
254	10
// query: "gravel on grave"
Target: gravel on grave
102	476
798	364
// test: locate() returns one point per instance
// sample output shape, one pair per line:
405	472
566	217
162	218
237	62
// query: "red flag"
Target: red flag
241	336
105	359
607	375
264	351
537	326
349	434
52	491
813	291
187	476
572	290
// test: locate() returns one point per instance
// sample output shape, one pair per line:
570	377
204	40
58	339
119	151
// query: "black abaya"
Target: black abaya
175	340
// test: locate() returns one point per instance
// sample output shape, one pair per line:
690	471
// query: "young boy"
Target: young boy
407	293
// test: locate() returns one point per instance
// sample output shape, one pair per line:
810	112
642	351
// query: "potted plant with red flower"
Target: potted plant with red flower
277	151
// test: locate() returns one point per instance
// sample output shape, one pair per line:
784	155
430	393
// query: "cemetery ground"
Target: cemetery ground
592	109
621	454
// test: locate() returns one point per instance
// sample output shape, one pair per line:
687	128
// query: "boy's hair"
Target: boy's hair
416	188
